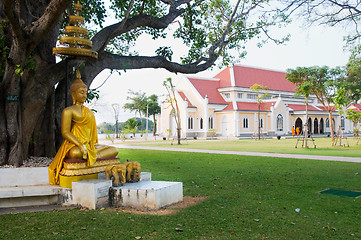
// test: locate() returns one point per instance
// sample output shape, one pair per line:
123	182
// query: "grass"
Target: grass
324	146
249	198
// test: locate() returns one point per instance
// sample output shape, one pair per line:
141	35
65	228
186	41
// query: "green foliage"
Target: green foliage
131	126
261	92
165	52
355	117
353	79
138	102
153	105
106	127
92	95
212	133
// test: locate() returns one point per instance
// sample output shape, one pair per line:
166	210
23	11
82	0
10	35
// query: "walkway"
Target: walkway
279	155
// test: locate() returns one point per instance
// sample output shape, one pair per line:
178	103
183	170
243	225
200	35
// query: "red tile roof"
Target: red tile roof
183	96
248	76
298	107
229	107
225	77
324	109
252	106
208	88
356	107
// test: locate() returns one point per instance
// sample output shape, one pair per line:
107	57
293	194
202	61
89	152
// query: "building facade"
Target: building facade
226	105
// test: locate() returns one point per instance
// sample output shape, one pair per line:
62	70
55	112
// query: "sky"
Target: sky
317	45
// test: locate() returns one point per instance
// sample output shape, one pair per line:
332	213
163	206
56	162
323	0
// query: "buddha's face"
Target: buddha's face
80	95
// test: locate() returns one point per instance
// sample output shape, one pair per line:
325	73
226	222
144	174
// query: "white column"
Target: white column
273	119
236	123
287	118
206	116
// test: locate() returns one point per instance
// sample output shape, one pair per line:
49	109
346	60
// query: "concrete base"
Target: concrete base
15	177
147	194
92	193
23	187
29	196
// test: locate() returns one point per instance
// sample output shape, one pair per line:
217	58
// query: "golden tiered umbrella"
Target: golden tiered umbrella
75	45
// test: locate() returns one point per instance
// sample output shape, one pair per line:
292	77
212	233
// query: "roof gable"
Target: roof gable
355	106
225	77
248	76
183	96
208	88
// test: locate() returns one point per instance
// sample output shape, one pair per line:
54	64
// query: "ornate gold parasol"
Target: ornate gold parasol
75	45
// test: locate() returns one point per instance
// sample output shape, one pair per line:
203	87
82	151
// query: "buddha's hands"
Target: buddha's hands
84	152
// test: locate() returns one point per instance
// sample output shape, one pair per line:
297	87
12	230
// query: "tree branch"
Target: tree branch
101	39
9	13
43	25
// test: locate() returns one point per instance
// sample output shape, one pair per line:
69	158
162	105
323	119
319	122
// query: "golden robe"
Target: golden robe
86	131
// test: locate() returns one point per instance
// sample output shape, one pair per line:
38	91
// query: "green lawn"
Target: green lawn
324	146
249	198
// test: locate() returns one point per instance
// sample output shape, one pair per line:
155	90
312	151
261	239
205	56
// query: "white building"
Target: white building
227	105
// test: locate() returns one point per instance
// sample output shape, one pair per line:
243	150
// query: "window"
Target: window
239	95
201	123
343	122
279	122
227	95
327	123
266	97
210	122
261	123
190	122
251	96
245	122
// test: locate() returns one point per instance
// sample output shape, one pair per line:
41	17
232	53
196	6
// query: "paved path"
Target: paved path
279	155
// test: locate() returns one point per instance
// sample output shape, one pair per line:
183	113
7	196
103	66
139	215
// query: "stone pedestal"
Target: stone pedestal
147	194
92	193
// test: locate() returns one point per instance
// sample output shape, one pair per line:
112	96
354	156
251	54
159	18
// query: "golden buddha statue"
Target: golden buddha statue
80	146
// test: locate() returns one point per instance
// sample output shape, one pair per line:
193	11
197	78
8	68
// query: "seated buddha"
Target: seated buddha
78	128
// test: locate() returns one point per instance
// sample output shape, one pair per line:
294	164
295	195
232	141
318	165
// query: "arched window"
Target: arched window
343	122
245	122
201	123
190	122
279	122
261	123
210	122
327	123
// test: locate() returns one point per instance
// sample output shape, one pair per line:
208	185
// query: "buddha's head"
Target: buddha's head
78	90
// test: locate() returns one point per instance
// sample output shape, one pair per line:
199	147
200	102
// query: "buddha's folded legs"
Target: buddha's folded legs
104	151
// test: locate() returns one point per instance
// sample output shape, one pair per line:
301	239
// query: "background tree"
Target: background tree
153	109
172	100
340	98
261	94
299	76
322	83
353	78
32	82
345	13
131	126
355	117
138	104
116	109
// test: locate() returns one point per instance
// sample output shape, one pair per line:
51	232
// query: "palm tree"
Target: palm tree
131	126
